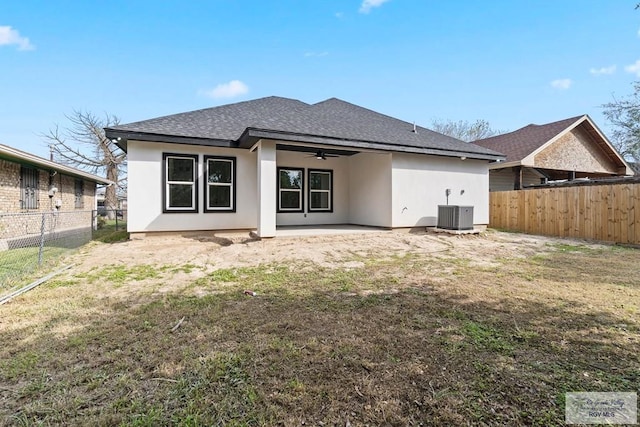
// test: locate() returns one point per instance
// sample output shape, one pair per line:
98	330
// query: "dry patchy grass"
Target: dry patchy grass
414	339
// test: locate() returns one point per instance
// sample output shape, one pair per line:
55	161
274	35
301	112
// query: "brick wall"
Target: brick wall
67	193
9	186
10	193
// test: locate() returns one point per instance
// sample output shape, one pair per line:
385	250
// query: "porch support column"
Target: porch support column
267	191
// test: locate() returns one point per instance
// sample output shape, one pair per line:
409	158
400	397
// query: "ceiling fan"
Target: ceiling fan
322	155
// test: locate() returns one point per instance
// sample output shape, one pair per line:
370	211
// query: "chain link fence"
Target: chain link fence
32	240
109	220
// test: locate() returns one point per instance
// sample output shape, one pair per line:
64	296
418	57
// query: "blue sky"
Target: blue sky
509	62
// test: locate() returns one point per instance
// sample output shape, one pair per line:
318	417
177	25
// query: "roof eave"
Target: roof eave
628	170
251	135
121	137
502	164
18	156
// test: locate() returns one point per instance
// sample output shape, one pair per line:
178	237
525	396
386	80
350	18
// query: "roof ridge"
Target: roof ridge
370	110
522	142
532	126
573	119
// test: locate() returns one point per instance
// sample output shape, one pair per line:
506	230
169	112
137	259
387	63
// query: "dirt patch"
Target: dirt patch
212	252
194	256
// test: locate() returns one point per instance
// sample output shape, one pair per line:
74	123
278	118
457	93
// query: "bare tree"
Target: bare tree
624	115
84	145
464	130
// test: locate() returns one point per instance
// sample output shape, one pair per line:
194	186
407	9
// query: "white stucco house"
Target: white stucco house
272	162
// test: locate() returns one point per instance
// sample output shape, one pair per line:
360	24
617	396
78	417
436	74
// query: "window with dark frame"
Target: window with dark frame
220	188
320	190
79	194
29	184
180	173
290	189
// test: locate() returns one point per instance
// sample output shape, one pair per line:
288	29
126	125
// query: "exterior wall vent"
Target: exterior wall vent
453	217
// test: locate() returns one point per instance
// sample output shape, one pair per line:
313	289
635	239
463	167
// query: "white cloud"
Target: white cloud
562	84
367	5
633	68
316	54
9	36
638	33
227	90
604	70
339	15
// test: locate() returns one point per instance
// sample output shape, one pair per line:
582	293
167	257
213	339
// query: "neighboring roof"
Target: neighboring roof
22	157
520	143
331	122
521	146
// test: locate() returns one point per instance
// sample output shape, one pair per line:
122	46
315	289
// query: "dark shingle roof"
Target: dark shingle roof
332	118
519	144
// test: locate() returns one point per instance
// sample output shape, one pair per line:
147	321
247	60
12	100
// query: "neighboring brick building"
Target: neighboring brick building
568	149
29	183
39	197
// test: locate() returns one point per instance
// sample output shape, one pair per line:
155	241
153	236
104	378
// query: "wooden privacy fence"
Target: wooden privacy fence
609	212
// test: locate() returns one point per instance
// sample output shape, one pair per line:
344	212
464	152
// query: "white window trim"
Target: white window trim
231	207
192	184
290	190
329	191
300	191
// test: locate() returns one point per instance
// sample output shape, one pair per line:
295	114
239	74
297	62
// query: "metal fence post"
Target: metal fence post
41	240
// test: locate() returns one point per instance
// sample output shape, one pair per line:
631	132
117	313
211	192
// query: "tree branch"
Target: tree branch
83	144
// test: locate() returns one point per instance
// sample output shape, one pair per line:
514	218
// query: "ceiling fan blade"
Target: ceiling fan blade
321	155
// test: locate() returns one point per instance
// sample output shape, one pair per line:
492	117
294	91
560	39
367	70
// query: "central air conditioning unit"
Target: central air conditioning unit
453	217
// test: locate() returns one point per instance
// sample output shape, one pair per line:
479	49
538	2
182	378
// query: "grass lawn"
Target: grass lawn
110	232
20	265
413	339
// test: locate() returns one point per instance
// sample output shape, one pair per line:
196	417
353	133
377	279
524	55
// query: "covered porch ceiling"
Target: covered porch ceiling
315	149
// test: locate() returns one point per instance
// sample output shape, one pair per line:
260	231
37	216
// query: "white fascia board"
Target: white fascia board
502	165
